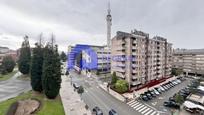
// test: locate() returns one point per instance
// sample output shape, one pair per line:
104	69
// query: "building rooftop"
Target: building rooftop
189	51
196	98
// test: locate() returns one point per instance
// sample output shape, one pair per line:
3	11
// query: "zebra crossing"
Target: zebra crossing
142	108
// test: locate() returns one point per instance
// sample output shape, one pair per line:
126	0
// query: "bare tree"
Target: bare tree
52	40
41	40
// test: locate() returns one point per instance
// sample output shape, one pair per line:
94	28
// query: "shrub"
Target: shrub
8	64
121	86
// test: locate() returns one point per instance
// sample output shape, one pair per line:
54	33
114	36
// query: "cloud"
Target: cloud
84	21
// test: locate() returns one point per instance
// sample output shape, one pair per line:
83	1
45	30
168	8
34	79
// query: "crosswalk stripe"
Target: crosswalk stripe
158	114
134	104
130	102
145	110
153	113
148	112
142	109
139	107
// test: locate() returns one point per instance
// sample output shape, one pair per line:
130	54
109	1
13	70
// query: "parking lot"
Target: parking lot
158	101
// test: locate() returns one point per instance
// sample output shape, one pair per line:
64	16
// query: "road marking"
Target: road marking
134	104
148	112
153	113
145	110
142	109
130	102
137	106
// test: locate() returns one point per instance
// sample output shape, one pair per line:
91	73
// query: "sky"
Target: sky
84	21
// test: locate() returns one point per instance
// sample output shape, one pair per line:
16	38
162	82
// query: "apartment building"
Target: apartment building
89	58
138	59
191	61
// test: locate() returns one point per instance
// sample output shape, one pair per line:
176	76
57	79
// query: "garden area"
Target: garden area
118	85
47	106
7	76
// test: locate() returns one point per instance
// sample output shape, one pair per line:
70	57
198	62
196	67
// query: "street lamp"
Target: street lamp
71	79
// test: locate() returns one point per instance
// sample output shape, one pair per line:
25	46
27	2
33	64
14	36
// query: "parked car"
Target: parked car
158	89
175	82
165	87
179	81
97	111
156	92
185	91
144	97
148	95
171	104
162	89
112	112
172	99
152	93
172	83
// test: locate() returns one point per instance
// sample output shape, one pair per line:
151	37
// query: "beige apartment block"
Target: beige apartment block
191	61
138	59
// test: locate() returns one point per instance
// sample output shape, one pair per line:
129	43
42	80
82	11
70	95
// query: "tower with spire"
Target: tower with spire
109	23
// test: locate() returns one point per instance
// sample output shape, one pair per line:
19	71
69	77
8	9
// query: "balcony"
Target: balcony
120	75
119	48
134	83
134	71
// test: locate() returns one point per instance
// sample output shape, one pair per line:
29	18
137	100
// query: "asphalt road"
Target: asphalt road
95	96
13	87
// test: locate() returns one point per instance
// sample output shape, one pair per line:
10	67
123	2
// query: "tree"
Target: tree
51	77
113	78
36	67
121	86
8	64
25	57
63	57
179	99
176	71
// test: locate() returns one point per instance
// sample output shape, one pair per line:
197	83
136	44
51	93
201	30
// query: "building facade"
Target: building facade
138	59
190	61
89	58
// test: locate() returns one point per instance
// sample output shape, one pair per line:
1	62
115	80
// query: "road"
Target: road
13	87
95	96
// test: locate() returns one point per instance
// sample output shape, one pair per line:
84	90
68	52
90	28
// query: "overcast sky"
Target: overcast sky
84	21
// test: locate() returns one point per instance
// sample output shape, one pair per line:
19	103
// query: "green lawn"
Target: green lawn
49	107
7	76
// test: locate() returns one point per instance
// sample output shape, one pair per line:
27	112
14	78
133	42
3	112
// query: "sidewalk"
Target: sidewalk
72	103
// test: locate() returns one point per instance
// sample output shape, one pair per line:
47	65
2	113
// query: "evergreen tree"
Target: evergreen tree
36	68
8	64
63	57
51	80
113	78
25	56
